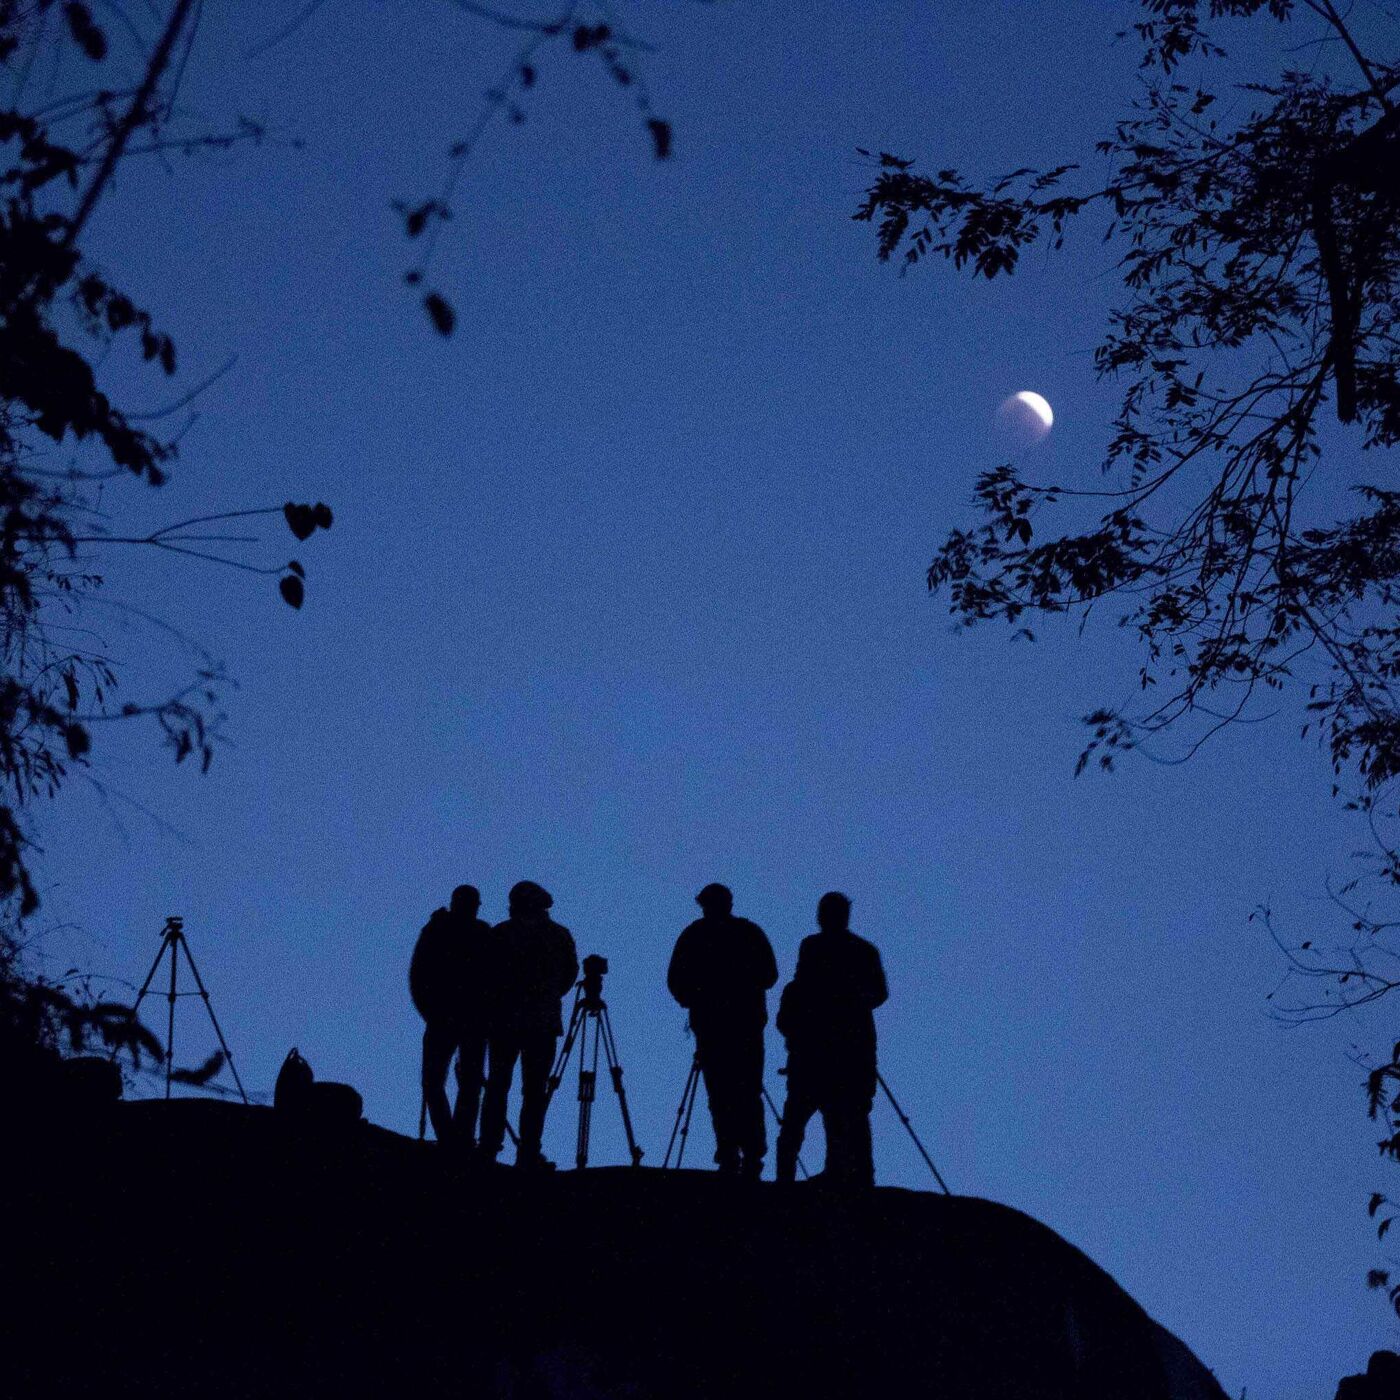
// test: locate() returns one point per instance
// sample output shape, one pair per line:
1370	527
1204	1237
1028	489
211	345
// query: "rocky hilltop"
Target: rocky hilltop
197	1248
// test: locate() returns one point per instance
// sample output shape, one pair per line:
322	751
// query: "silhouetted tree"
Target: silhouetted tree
61	317
1260	265
591	32
110	99
58	315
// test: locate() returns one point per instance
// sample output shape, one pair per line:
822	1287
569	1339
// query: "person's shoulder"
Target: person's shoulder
480	927
693	929
439	921
748	926
866	946
560	930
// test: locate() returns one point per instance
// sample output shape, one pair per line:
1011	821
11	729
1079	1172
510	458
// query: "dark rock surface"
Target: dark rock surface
201	1249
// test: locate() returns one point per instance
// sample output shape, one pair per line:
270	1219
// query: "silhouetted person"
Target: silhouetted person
720	972
537	965
825	1016
1380	1380
448	977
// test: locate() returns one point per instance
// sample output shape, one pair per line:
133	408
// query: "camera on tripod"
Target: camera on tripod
595	968
590	1013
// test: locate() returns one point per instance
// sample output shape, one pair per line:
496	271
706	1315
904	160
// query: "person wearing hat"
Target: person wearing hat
538	964
720	972
826	1016
448	976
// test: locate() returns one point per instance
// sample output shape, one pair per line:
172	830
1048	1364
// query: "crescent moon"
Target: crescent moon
1039	406
1026	418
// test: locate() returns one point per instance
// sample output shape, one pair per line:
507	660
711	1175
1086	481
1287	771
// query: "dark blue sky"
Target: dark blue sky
625	594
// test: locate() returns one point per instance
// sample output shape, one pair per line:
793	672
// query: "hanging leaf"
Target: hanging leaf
440	312
660	137
84	30
299	520
292	589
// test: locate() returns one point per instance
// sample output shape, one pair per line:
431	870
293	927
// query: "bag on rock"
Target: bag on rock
294	1082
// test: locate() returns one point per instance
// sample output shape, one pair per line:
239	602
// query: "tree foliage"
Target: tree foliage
1256	341
71	453
1260	271
1259	267
593	33
61	317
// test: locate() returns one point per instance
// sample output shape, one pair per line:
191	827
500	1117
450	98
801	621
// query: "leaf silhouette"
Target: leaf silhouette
200	1075
440	312
300	520
84	30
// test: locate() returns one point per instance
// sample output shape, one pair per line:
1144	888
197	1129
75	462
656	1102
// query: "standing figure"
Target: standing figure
720	972
449	976
825	1016
537	966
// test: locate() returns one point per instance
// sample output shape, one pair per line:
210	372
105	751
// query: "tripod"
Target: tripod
686	1111
590	1016
172	940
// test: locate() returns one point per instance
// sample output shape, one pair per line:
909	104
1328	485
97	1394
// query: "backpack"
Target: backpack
321	1102
294	1081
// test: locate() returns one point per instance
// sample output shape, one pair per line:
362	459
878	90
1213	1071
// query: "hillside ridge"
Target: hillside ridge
204	1247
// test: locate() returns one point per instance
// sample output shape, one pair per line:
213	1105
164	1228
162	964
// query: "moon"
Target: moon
1026	417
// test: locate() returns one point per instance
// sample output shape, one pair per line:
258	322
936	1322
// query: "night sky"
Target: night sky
626	594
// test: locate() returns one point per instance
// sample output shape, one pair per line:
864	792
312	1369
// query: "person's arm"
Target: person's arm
425	971
678	976
766	965
879	989
804	960
568	960
787	1017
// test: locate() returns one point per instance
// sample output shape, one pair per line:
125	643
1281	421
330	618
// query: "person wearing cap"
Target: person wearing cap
826	1016
720	972
448	976
538	964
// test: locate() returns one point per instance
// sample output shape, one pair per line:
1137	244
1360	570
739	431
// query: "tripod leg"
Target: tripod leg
615	1069
209	1007
556	1075
170	1028
680	1115
587	1090
778	1119
694	1090
145	987
909	1128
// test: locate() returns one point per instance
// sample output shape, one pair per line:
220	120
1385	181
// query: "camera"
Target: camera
594	967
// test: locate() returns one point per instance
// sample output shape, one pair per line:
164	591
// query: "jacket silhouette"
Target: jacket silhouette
449	979
720	971
826	1016
536	965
